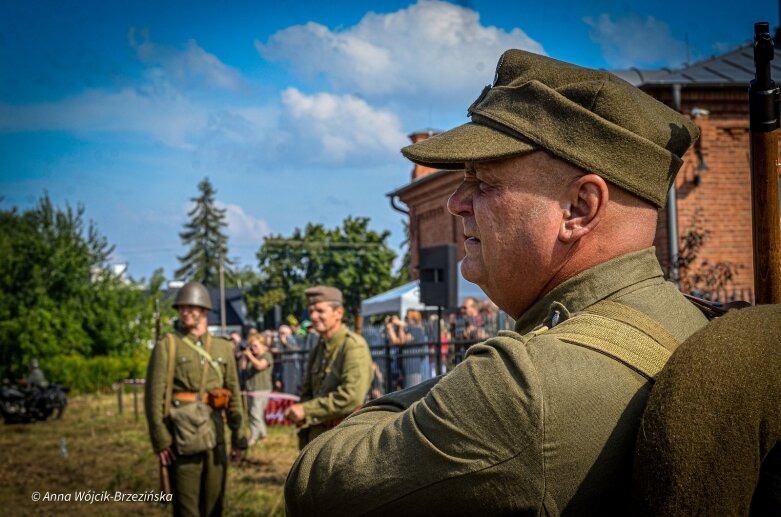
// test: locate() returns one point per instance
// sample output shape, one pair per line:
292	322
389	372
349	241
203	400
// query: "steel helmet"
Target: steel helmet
193	293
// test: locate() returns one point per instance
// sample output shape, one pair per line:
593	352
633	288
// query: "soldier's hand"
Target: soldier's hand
166	456
295	413
236	455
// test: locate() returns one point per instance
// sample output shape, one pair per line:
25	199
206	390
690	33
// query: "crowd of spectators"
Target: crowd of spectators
405	352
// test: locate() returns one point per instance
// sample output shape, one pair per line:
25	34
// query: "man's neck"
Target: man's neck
330	333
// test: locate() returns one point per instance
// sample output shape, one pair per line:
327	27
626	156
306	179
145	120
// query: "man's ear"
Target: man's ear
583	206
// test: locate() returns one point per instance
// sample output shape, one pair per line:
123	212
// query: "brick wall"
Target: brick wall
430	222
722	192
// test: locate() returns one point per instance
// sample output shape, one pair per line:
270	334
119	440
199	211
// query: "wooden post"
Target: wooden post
222	297
119	397
135	399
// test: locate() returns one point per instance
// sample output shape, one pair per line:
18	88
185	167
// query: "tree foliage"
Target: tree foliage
205	238
352	257
57	296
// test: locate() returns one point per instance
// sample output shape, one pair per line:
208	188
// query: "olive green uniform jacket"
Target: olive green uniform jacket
187	377
527	424
339	374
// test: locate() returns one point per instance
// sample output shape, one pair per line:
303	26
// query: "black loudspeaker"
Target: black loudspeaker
438	276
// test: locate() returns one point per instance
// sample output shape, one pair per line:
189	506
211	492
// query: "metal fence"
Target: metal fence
401	366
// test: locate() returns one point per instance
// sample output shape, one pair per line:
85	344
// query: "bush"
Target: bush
93	374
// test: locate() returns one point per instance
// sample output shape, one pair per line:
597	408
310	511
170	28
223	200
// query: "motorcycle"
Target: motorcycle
18	404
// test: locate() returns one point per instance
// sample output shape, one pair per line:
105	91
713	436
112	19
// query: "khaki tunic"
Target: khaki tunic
187	377
526	424
339	374
197	480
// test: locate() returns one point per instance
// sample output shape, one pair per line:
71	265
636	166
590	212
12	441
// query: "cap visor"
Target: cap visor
470	142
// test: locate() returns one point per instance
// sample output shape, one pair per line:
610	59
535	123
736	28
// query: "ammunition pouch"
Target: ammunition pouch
194	429
219	398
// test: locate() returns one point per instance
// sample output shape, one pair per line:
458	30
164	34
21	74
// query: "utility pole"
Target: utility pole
222	297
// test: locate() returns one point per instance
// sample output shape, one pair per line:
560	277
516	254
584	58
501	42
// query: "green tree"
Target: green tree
57	295
206	240
351	257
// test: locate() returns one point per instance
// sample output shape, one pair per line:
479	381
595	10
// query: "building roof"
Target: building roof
733	68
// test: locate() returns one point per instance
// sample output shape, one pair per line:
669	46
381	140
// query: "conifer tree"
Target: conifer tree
206	240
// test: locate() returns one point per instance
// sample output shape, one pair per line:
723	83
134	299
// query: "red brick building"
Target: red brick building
714	181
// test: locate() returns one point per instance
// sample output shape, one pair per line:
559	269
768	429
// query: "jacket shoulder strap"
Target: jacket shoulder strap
622	333
205	353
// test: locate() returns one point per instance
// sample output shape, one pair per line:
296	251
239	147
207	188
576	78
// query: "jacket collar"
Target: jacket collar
590	286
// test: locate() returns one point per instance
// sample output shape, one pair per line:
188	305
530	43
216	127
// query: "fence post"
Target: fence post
388	381
135	399
438	347
119	396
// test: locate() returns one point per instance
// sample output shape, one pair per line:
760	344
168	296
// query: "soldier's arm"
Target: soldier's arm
355	383
154	396
468	443
236	417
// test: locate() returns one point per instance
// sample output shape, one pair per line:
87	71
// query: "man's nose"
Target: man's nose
460	202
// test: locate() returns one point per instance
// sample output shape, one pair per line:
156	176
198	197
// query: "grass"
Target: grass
109	451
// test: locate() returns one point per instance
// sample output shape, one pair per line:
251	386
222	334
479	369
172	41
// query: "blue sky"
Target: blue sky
295	111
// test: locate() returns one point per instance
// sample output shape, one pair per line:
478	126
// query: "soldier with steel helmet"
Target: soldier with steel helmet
191	379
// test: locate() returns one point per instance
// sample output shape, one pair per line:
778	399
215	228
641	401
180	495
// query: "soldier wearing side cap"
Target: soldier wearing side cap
339	369
189	365
565	171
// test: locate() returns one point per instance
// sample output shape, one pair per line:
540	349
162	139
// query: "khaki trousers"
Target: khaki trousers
198	483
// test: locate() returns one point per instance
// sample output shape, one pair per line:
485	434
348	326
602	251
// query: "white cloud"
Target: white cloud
166	115
636	41
187	67
431	48
336	128
243	226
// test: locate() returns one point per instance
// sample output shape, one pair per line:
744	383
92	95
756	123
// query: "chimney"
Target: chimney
421	170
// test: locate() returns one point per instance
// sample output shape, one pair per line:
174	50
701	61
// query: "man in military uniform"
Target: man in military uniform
565	171
201	364
339	370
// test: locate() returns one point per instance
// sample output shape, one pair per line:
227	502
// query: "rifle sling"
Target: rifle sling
169	383
622	333
204	353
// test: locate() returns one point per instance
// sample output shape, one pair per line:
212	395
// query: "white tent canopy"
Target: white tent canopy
407	296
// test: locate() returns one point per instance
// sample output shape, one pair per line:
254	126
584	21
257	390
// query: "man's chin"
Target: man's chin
472	270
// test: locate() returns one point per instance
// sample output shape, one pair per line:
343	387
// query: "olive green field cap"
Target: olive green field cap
323	293
589	118
193	293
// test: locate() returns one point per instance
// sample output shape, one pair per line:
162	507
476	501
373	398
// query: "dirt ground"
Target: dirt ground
94	448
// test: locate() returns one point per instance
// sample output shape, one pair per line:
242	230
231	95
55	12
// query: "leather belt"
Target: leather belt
190	396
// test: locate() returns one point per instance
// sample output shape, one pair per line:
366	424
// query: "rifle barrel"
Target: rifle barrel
765	193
